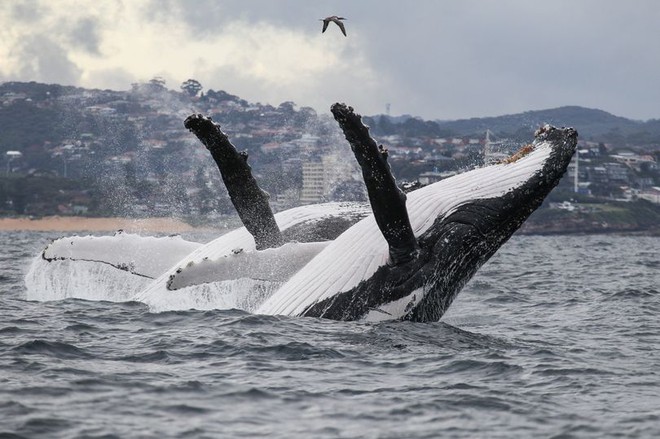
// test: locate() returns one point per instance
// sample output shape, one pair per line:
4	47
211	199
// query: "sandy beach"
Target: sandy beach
81	224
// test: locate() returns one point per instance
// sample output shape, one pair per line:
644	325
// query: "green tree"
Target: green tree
157	81
192	87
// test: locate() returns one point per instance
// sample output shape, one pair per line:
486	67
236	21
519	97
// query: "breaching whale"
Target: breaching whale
457	223
406	261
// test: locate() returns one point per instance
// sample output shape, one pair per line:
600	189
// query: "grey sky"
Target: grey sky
435	59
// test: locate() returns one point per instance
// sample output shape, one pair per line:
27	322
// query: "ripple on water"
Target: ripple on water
51	349
13	408
295	351
632	294
44	426
480	367
567	349
11	330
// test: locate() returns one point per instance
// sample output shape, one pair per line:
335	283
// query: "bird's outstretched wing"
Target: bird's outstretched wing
341	26
325	25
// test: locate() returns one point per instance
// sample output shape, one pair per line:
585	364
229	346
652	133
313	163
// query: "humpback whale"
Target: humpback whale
458	224
406	259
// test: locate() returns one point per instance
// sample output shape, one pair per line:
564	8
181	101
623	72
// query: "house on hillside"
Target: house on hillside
651	194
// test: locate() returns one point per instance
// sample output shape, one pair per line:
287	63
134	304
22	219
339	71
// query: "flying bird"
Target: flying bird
336	20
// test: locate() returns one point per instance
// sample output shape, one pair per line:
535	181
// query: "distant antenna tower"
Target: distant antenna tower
387	109
575	178
487	147
492	155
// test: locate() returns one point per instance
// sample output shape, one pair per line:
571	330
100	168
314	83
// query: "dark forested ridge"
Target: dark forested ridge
68	150
593	124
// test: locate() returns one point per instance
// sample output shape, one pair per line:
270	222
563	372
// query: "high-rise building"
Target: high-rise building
314	183
321	177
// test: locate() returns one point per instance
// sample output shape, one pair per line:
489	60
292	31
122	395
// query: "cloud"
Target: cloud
28	11
85	35
39	41
265	63
445	60
44	60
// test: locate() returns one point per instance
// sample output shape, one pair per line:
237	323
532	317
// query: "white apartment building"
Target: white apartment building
320	177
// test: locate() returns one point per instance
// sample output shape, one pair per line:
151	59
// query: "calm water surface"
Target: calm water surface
554	337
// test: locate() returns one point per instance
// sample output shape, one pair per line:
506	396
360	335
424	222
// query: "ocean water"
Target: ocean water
555	337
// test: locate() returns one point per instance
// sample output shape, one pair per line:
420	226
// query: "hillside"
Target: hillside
104	152
593	124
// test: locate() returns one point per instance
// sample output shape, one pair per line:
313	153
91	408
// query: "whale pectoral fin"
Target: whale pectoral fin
388	202
250	201
270	265
144	256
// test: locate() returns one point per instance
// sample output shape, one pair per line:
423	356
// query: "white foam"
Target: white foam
58	280
243	293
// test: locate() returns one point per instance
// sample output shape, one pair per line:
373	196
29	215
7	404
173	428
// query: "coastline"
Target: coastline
86	224
534	226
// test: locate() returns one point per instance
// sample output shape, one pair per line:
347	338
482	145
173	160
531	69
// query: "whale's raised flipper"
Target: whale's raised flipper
250	201
388	202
